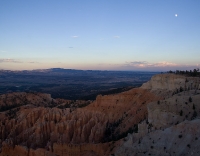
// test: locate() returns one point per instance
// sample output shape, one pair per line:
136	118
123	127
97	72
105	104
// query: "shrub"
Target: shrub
190	99
193	107
188	145
194	115
181	113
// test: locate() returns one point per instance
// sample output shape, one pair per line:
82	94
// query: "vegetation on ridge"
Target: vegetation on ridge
194	72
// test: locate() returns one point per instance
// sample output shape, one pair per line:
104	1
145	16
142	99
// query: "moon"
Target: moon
176	15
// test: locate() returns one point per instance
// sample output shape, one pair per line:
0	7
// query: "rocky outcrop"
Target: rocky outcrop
172	124
12	100
171	111
168	84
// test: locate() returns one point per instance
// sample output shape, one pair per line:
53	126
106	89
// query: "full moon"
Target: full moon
176	15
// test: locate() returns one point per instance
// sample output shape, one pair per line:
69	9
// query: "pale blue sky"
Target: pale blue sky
105	35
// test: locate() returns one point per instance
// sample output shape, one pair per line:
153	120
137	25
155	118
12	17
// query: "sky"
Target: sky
145	35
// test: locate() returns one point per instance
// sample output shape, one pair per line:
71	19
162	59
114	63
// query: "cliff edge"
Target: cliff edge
172	124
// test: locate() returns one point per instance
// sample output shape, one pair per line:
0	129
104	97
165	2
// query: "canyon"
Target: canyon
159	118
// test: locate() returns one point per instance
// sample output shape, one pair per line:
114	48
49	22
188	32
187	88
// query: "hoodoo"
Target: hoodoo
159	118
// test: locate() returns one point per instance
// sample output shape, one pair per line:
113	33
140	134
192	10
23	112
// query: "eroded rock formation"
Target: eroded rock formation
157	117
92	128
